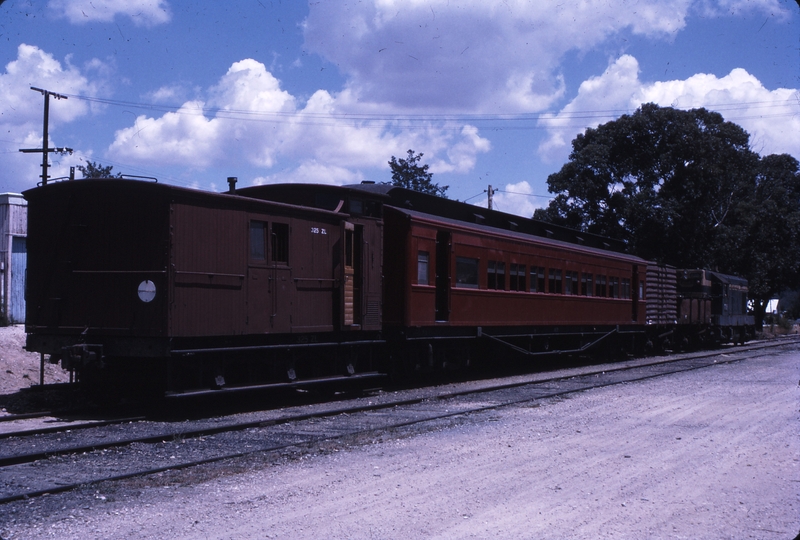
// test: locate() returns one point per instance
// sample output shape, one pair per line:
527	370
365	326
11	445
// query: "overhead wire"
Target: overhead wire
543	120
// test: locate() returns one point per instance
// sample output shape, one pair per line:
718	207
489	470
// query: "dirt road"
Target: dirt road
713	454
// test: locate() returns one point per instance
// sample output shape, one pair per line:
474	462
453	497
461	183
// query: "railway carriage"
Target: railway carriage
197	289
295	284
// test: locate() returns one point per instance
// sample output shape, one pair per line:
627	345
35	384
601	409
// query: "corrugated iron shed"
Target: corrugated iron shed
13	257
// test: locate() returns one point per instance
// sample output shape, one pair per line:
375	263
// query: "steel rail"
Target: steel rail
24	458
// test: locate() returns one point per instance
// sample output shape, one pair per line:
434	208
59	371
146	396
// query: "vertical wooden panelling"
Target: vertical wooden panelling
209	253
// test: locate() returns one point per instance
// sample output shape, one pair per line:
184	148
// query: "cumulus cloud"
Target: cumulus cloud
472	56
313	172
248	116
21	110
141	12
772	117
718	8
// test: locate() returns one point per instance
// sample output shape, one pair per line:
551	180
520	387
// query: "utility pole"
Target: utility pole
44	149
491	194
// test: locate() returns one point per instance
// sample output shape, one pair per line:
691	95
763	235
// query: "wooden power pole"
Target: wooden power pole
44	149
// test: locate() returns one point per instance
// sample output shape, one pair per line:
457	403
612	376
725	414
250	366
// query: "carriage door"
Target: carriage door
443	276
351	301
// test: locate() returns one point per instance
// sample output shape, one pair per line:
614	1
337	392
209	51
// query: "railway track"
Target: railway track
34	465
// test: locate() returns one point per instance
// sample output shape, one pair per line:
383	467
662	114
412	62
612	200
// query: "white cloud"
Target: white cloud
21	111
185	137
312	172
141	12
472	56
719	8
598	101
249	117
772	117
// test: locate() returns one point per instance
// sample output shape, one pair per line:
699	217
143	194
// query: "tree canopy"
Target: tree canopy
409	174
683	188
94	169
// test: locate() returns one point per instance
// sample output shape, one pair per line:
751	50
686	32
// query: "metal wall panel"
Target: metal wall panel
19	263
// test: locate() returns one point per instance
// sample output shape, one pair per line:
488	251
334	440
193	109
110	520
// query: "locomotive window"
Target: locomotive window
422	267
601	286
537	279
280	243
613	287
258	240
517	277
467	272
555	286
587	288
497	275
571	283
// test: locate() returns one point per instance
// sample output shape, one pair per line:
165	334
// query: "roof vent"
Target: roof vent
232	184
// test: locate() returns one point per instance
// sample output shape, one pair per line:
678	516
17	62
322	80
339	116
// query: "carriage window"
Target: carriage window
537	279
422	267
280	243
601	286
571	283
613	287
258	240
467	272
497	275
625	288
555	286
587	286
517	277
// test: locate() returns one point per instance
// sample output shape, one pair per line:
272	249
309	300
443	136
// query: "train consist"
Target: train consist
290	284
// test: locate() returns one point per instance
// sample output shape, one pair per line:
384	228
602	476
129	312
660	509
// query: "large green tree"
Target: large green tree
684	188
409	174
662	179
763	241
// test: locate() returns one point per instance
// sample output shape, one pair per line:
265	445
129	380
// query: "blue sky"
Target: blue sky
328	91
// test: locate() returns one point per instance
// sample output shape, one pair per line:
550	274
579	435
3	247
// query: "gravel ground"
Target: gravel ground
713	453
20	368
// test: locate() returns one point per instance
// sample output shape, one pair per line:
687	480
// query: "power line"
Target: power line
520	193
544	120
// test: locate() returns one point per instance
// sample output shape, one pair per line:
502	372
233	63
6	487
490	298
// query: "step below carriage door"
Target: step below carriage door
351	280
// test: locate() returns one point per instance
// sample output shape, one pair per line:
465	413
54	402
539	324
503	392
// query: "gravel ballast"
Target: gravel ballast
712	453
